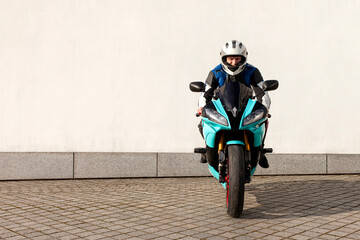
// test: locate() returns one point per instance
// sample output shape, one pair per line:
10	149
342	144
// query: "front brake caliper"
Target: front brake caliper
222	167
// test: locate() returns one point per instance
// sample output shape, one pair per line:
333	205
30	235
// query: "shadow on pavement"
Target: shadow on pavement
303	198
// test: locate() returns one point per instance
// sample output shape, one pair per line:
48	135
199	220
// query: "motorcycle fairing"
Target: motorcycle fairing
252	171
258	132
233	98
210	128
249	107
257	128
215	174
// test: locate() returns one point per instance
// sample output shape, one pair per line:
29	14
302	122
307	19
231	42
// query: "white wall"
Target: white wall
113	75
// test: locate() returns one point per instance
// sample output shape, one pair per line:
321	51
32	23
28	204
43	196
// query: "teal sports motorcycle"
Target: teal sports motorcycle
233	128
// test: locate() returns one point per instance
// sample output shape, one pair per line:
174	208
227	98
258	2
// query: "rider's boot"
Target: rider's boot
203	158
263	162
203	154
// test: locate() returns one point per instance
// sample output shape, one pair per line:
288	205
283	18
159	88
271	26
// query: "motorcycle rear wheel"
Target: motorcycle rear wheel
235	180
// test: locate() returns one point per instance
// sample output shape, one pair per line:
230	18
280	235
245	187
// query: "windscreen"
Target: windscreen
234	96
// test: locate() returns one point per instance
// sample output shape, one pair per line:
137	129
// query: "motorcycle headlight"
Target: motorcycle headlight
255	116
214	116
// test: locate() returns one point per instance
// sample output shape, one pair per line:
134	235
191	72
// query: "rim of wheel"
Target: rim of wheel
227	190
227	182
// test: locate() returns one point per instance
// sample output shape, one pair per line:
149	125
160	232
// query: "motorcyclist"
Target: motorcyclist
234	68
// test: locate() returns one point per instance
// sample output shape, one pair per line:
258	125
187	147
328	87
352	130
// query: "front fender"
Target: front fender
235	142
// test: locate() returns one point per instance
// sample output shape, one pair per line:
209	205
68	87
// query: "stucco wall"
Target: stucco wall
112	76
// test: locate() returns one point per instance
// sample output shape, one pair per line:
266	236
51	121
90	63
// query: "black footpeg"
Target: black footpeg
199	150
267	150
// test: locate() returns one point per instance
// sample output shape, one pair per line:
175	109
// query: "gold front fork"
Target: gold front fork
247	145
221	143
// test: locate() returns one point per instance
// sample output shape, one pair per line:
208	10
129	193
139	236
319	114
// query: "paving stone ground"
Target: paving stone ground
276	207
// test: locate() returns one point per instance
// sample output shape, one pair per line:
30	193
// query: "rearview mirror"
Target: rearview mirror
197	87
270	85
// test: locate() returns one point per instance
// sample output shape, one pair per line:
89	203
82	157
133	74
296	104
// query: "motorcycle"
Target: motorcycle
233	128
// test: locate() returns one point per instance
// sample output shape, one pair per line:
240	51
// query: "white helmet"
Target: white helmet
233	48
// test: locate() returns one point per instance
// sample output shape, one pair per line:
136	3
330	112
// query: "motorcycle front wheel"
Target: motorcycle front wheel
235	190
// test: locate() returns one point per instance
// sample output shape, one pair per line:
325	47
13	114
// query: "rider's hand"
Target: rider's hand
199	111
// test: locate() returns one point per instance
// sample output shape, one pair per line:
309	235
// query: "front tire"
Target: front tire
235	180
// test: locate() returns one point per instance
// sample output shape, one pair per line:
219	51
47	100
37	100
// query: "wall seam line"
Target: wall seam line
327	164
73	165
157	164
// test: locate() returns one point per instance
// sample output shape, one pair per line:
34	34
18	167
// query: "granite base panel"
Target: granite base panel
21	166
25	166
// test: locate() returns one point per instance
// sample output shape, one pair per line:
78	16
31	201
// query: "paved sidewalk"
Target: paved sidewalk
276	207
